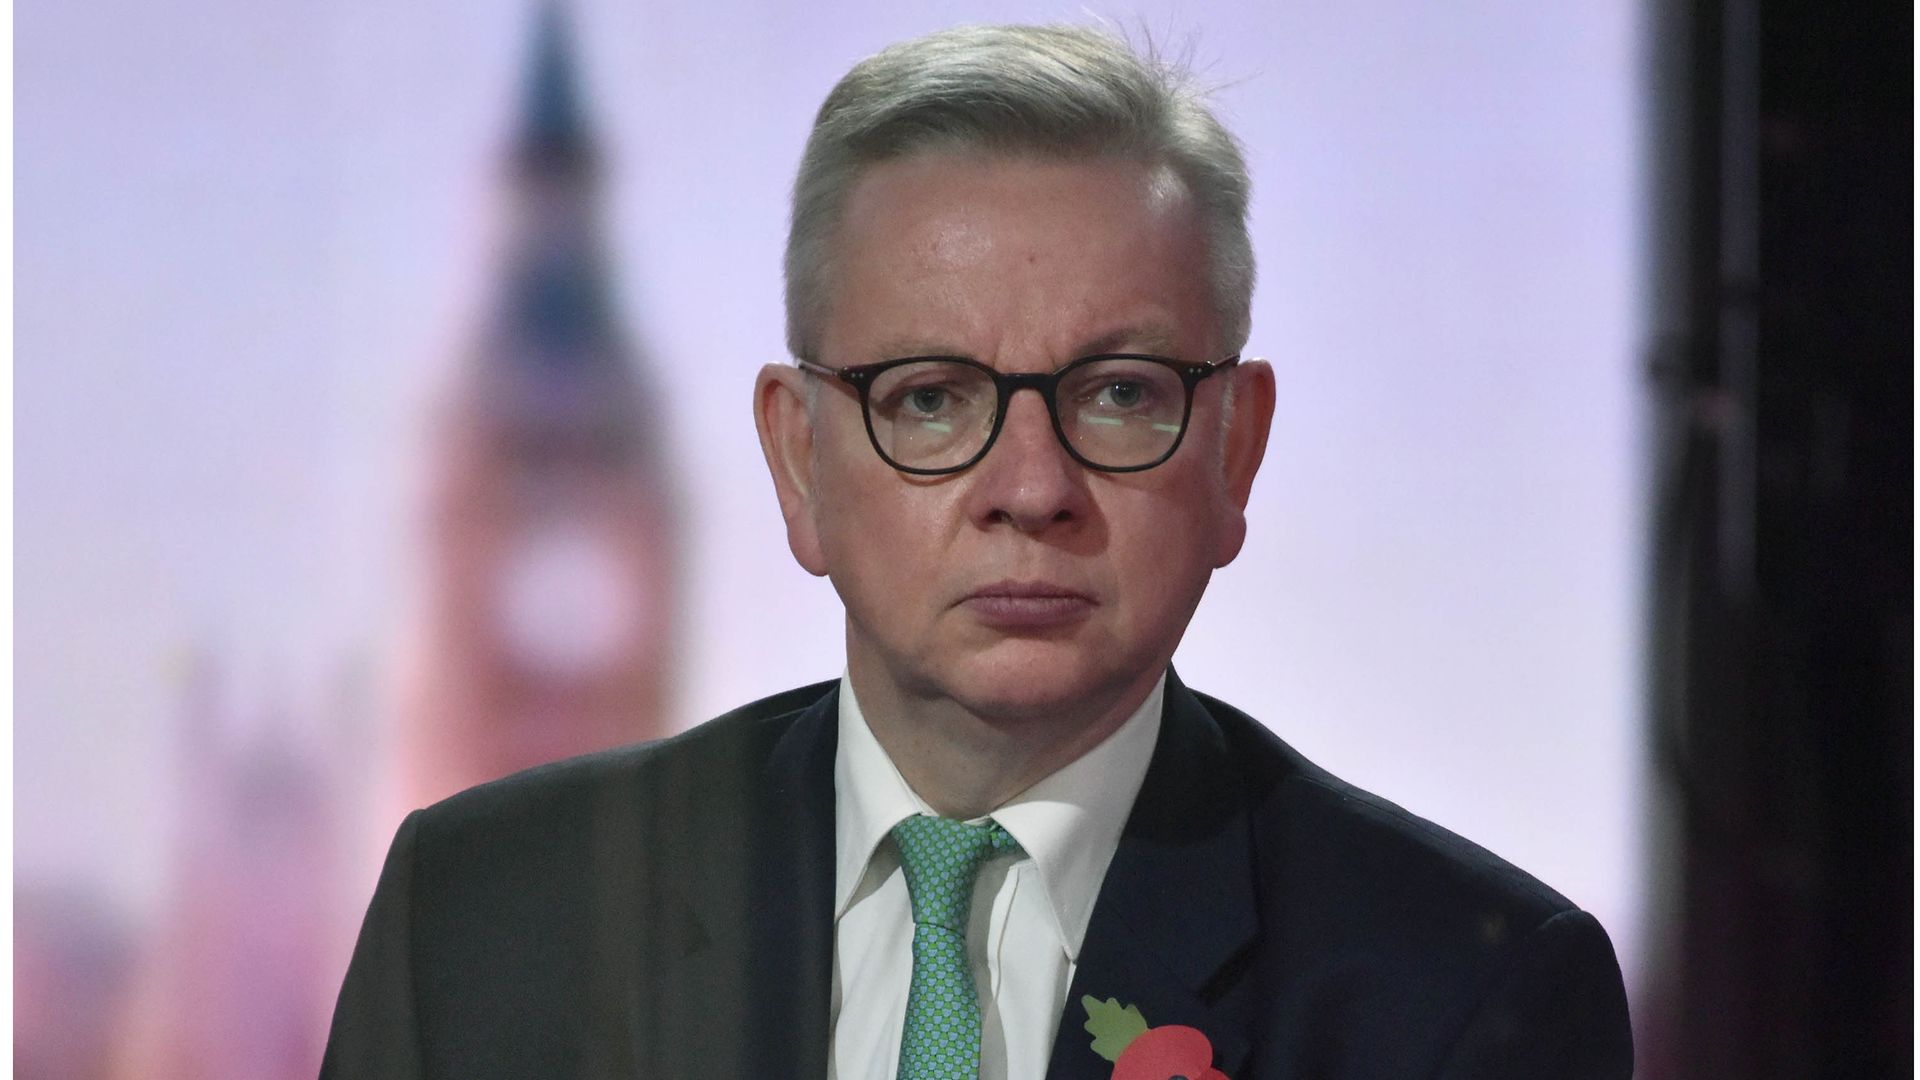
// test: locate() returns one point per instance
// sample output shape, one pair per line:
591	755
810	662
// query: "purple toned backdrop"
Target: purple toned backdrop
250	237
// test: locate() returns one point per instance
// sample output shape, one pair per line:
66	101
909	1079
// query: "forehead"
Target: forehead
982	254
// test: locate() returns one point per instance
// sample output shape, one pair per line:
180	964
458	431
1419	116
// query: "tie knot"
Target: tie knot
941	858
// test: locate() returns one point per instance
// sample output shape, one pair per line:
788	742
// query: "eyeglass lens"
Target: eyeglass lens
936	414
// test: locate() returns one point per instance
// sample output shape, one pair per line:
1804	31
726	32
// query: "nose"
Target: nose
1027	480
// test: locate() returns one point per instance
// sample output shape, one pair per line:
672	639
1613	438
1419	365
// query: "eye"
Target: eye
932	393
926	396
1122	394
927	400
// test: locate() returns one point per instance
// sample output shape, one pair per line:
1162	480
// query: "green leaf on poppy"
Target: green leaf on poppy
1112	1026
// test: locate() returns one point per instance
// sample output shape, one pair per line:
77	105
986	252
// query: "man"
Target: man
1007	842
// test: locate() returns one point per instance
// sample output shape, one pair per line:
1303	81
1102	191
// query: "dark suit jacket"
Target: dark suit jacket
665	910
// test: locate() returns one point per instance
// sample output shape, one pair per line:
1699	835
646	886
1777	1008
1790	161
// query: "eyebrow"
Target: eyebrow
895	348
1150	338
1153	339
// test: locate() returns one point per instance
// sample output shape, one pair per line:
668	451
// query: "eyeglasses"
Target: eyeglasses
931	415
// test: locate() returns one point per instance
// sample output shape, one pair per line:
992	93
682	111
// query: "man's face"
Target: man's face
1026	586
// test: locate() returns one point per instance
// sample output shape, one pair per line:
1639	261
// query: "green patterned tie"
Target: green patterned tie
941	858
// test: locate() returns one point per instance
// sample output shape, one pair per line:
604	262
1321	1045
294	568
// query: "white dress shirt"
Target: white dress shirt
1030	910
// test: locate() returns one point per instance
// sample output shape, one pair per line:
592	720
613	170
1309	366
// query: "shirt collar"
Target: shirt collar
870	797
1069	823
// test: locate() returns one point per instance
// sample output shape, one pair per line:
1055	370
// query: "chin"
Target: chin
1032	680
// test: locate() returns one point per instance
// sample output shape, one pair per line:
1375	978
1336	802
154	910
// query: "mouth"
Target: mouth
1027	605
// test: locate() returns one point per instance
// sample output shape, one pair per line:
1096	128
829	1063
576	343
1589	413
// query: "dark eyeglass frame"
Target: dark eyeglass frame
861	377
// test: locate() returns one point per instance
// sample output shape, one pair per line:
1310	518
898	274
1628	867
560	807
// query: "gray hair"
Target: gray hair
1063	91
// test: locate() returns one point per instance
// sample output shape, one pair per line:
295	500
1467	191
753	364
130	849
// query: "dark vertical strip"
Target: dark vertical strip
1782	659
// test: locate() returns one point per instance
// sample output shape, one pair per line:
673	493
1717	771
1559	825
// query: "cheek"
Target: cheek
844	482
1167	537
882	538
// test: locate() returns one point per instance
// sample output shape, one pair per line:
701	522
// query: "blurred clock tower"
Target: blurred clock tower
549	576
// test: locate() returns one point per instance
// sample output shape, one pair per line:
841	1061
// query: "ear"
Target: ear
786	438
1246	448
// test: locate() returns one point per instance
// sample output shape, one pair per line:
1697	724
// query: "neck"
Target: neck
966	763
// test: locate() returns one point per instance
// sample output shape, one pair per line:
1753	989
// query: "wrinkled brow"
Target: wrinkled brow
1149	338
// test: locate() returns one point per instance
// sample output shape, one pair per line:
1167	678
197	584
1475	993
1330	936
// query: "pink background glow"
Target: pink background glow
248	237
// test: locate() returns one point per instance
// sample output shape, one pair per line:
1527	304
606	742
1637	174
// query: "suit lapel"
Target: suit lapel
748	995
1177	906
753	992
792	921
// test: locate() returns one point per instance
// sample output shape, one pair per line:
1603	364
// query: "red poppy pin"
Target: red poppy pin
1138	1052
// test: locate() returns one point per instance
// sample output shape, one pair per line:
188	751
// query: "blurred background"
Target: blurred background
383	380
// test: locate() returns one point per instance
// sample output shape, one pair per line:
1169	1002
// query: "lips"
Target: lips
1027	605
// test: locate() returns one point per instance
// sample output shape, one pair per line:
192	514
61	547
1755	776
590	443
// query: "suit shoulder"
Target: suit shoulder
1395	947
725	748
1366	847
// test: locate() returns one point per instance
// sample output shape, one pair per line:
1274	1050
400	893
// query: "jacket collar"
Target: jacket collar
1175	910
1177	906
754	990
791	931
